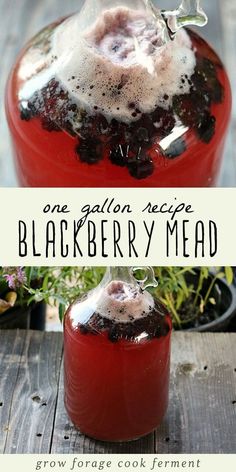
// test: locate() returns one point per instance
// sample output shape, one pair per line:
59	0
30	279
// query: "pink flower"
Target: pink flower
15	277
20	274
10	278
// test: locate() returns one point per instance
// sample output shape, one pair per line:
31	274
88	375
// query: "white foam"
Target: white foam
117	301
97	74
123	303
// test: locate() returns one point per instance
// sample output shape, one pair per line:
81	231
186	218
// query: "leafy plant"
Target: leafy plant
189	292
54	285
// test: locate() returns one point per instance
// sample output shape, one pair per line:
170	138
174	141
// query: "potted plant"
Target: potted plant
199	299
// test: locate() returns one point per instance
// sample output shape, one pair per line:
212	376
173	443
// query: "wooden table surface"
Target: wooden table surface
202	409
20	19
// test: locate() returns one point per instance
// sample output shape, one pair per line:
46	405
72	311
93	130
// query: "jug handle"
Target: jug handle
149	280
189	13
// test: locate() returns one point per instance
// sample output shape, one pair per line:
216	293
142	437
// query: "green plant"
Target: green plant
59	286
188	292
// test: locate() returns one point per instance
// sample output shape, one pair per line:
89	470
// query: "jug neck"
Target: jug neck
123	274
100	5
127	274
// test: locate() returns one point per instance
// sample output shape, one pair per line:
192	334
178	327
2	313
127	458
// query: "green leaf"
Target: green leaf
180	298
29	272
205	272
229	275
45	282
61	312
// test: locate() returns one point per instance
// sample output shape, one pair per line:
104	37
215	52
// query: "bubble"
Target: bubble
119	301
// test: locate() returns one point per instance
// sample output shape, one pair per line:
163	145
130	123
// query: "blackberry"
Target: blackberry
117	131
163	122
89	150
206	128
129	331
102	126
216	90
190	109
205	78
84	329
113	334
119	154
25	114
141	169
142	135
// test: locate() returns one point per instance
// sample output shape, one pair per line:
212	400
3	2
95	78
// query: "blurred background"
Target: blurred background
21	19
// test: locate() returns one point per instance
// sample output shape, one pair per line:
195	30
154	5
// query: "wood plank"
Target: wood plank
202	412
11	348
33	404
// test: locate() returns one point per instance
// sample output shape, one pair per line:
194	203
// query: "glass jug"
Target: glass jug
119	95
117	358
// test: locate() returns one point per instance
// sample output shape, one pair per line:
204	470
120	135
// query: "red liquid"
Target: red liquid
55	158
115	391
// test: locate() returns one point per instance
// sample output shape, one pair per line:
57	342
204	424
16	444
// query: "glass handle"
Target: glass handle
189	13
149	279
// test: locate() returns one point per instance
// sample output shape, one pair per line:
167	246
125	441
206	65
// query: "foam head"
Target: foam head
123	302
118	301
118	61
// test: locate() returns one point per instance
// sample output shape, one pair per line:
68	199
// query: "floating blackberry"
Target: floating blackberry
142	135
25	114
84	329
141	169
113	335
119	154
89	150
206	128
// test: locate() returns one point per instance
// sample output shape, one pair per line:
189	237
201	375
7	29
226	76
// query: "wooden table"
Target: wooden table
202	409
21	19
